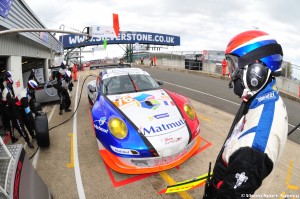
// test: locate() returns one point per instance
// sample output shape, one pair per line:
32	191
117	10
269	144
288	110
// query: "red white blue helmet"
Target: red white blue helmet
255	45
8	74
32	84
252	56
68	73
9	80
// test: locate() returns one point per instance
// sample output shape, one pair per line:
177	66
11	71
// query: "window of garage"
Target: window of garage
29	63
3	65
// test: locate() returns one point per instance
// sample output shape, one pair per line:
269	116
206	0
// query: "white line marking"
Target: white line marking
213	96
44	109
79	184
36	157
204	93
52	112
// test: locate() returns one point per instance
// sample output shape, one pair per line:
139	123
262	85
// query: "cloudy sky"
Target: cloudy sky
201	25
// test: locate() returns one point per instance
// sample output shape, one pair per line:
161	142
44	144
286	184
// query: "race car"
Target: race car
139	126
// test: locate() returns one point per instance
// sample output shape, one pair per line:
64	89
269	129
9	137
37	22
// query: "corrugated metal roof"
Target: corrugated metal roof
21	16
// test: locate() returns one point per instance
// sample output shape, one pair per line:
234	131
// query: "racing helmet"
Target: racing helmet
253	57
32	84
9	81
8	74
68	74
62	71
63	64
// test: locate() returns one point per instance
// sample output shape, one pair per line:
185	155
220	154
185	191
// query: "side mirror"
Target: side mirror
160	82
92	89
277	73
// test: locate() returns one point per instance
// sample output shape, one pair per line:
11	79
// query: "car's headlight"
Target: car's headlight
189	111
117	128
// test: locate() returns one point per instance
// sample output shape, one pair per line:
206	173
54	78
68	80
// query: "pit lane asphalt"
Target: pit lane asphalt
54	164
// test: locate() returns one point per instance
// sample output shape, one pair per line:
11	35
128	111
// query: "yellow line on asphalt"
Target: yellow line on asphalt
170	181
71	164
204	118
288	177
282	195
293	187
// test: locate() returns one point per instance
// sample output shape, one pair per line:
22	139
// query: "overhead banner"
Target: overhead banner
102	31
44	36
124	37
5	7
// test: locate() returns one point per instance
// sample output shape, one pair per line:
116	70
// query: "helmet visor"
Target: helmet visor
232	63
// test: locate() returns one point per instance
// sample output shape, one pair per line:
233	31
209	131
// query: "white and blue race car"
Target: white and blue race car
141	127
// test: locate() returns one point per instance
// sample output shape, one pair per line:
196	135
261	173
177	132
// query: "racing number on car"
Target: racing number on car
123	101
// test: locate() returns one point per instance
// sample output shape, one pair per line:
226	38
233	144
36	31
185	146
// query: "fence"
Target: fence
290	80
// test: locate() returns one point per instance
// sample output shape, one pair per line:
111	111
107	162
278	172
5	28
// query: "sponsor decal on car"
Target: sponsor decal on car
163	127
160	116
144	100
102	121
140	162
98	124
124	151
100	128
173	158
148	101
168	103
162	160
122	101
197	130
171	140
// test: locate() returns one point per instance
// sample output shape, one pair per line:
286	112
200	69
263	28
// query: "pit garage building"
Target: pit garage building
21	52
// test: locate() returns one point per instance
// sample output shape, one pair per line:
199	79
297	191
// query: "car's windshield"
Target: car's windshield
128	83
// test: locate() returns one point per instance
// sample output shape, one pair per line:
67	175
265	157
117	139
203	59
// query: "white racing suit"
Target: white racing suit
253	148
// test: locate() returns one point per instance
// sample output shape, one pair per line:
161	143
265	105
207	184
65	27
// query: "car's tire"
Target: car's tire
42	131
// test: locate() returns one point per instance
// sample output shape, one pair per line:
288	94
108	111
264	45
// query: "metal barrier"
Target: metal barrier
7	161
13	163
212	64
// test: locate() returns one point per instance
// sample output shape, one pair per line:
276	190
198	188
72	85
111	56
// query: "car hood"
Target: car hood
156	116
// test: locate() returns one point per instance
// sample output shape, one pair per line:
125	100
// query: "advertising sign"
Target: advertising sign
44	36
136	46
124	37
5	7
39	74
102	32
98	48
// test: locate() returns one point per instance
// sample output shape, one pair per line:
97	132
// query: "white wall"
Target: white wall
47	72
14	65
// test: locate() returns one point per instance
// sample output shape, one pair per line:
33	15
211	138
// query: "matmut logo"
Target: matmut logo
164	127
